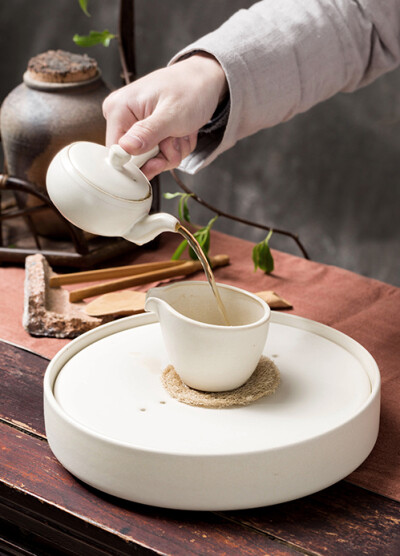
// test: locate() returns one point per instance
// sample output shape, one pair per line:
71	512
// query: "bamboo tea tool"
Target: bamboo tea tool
274	300
114	272
117	304
148	273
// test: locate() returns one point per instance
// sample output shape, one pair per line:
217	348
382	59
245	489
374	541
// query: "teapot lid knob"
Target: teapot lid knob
117	157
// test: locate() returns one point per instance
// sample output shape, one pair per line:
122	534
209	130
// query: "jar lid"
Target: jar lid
112	171
59	66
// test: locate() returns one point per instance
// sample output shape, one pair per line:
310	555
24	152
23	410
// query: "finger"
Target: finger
119	117
113	133
117	125
154	167
172	152
169	157
188	144
184	146
147	133
171	149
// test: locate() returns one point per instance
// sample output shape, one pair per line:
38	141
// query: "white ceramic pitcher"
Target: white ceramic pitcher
102	190
207	354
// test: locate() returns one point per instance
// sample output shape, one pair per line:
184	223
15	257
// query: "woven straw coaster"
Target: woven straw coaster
263	382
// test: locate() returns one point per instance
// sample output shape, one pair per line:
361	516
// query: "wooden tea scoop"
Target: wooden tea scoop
274	300
189	267
118	304
114	272
128	302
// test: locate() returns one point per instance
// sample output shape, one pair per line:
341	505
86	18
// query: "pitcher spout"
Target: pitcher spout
151	226
154	300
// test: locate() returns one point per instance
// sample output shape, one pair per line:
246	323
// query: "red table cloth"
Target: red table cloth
365	309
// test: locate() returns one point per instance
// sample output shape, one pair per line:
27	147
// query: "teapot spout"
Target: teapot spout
150	226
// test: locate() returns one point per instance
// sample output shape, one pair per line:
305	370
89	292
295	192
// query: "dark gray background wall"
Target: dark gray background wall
330	175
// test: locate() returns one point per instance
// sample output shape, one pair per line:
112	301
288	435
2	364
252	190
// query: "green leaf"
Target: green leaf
183	209
179	251
184	212
172	195
84	5
93	38
180	208
203	236
212	221
262	256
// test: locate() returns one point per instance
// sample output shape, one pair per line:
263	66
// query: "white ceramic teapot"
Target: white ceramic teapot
101	190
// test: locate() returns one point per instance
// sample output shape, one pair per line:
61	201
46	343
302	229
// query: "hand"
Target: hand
165	108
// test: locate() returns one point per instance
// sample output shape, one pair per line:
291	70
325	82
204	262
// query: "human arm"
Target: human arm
166	108
280	57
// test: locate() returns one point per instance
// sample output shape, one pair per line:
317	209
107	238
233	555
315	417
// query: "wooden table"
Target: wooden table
46	511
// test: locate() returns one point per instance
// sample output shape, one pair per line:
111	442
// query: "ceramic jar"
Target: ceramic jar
39	117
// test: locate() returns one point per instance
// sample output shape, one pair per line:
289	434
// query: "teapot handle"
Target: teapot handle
141	159
118	157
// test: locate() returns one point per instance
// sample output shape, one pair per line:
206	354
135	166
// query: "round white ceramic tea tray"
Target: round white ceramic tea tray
111	424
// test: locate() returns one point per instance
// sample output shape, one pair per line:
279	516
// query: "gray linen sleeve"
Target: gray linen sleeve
282	57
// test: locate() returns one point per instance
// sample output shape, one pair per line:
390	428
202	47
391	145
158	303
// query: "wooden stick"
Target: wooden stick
184	269
105	273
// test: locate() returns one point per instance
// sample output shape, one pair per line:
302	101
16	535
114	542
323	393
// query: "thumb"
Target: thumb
146	134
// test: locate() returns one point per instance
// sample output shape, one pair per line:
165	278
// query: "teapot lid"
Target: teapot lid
112	171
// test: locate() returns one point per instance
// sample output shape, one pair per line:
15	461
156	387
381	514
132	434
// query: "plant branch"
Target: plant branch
187	190
126	40
125	71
